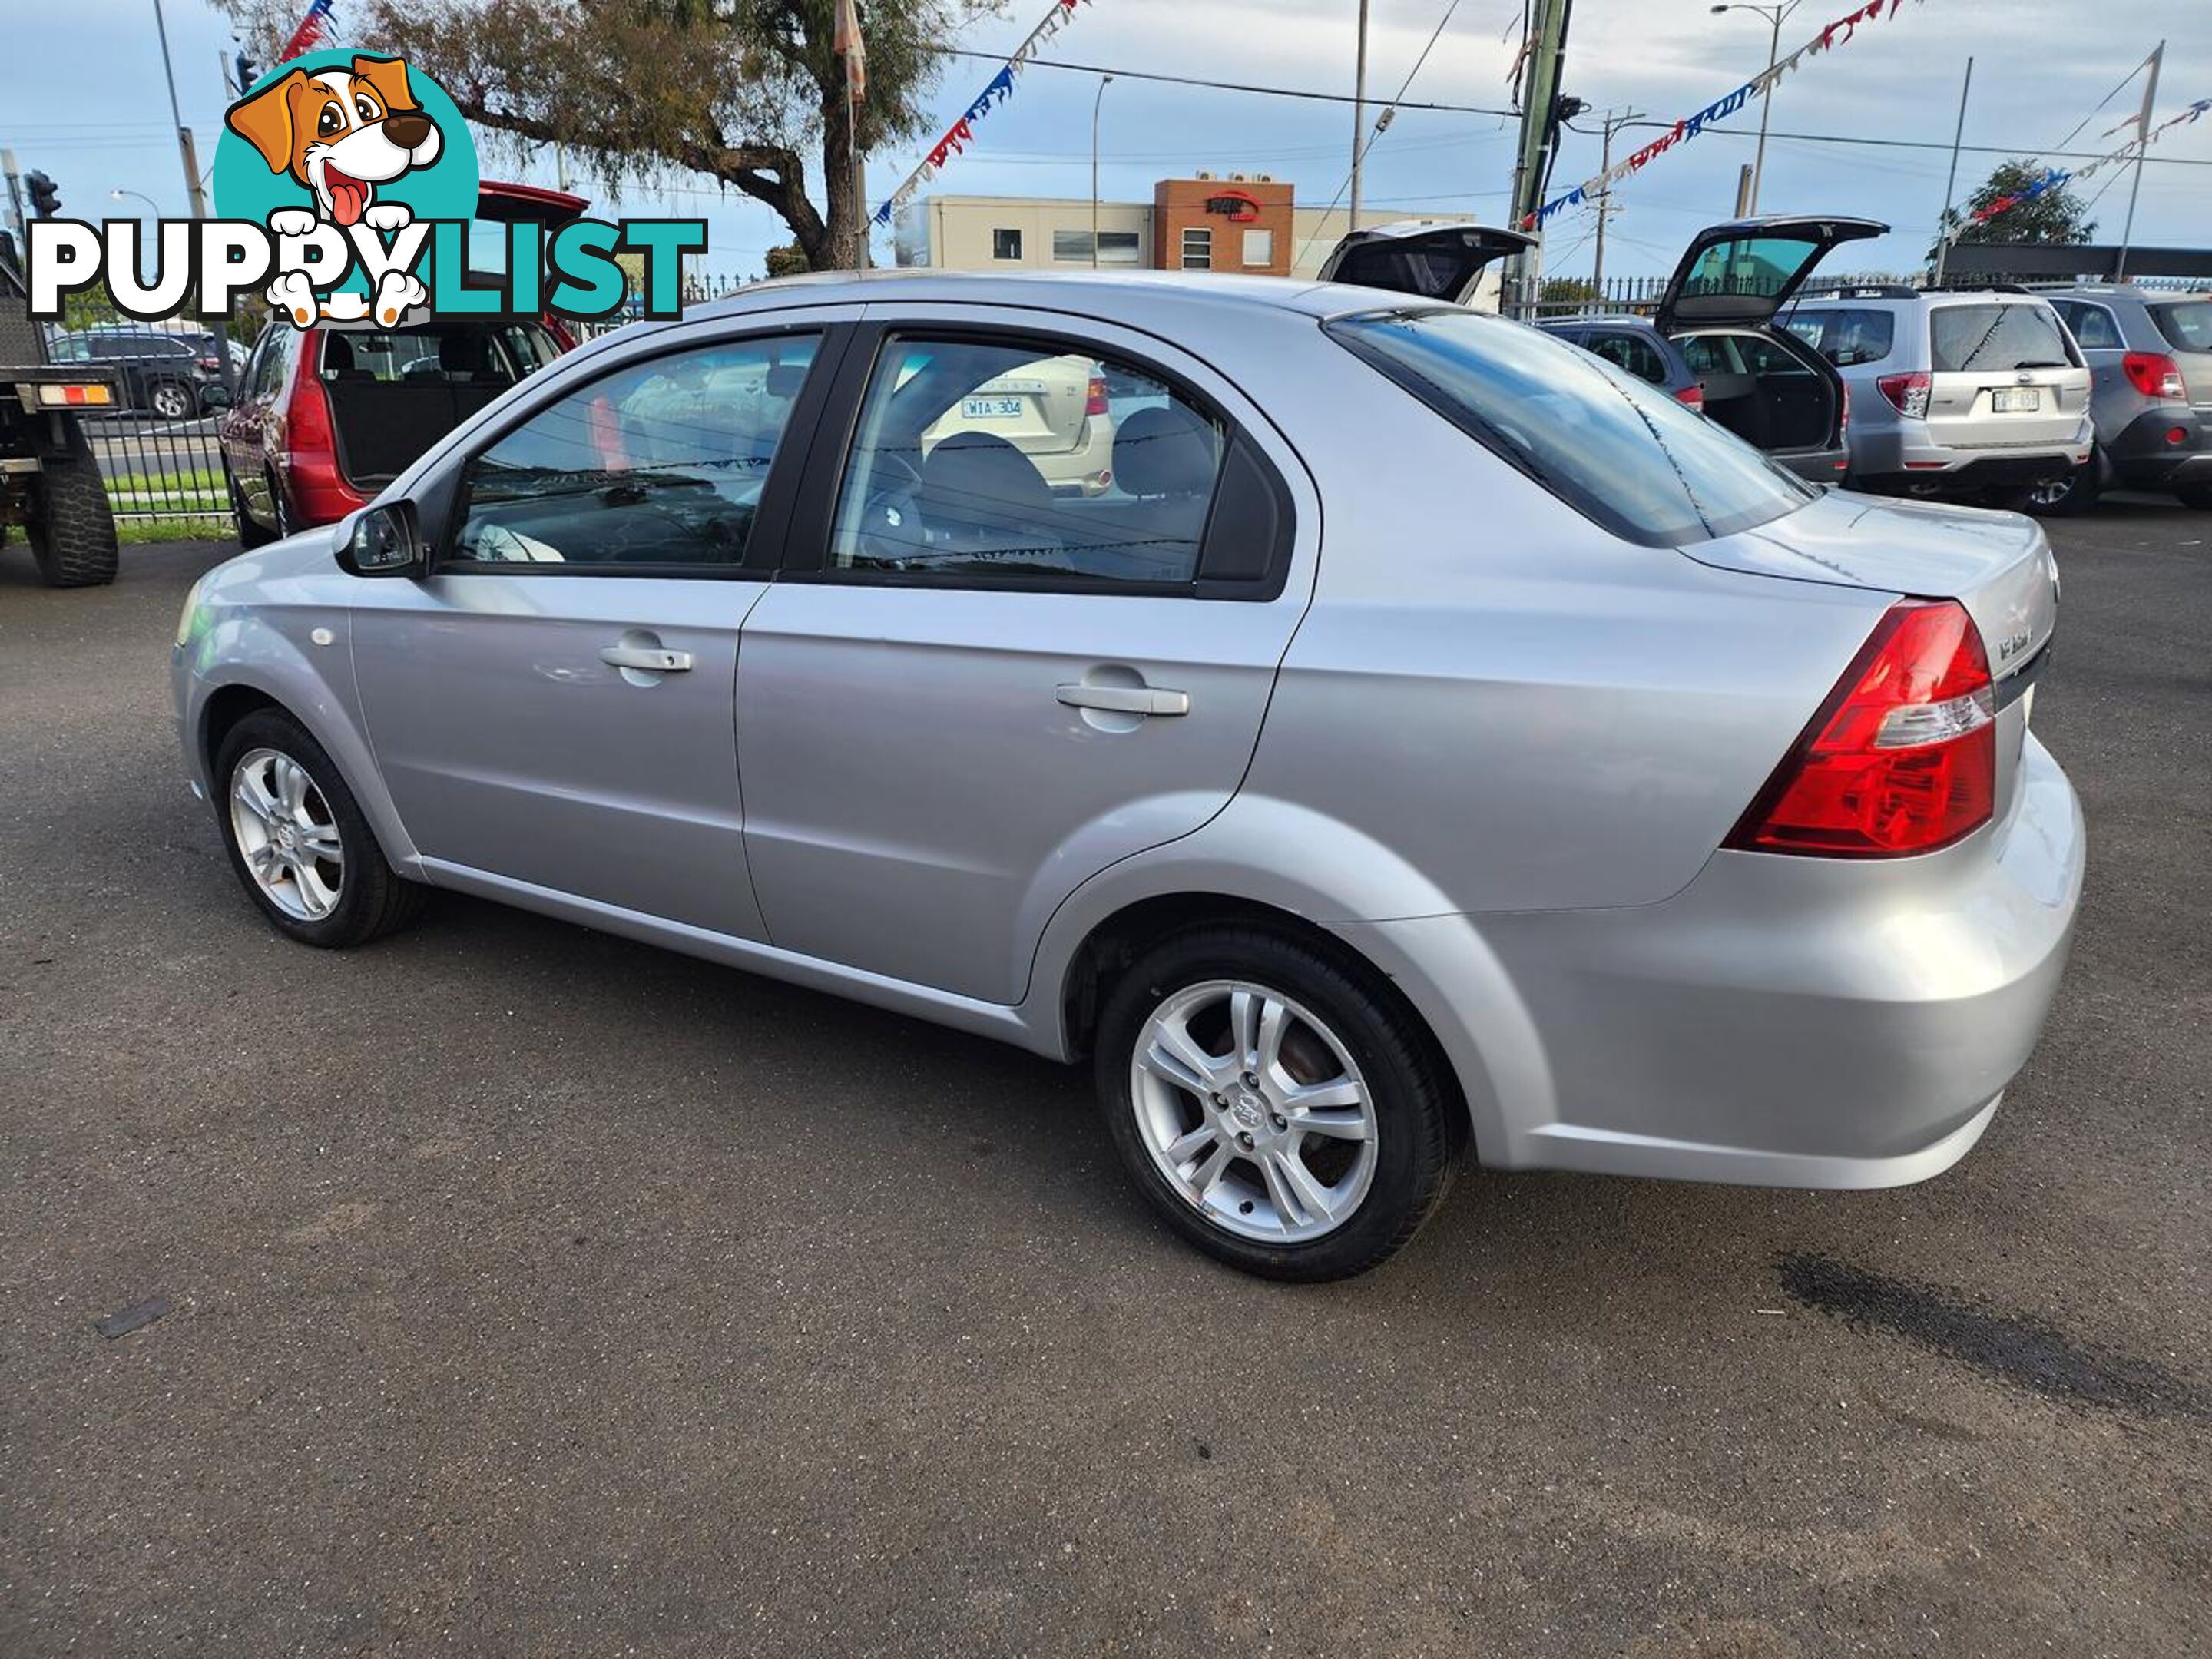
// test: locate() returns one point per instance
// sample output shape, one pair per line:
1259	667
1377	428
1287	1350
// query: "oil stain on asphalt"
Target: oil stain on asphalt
2018	1349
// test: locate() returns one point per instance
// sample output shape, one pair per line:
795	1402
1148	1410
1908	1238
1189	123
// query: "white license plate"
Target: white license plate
994	409
2024	401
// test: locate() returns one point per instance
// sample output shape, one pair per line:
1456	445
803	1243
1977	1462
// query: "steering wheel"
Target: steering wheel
890	521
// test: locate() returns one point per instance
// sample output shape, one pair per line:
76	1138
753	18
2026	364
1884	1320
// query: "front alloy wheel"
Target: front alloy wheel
1275	1100
286	834
297	839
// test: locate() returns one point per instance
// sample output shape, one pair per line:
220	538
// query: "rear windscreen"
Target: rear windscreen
2188	326
1618	451
1997	338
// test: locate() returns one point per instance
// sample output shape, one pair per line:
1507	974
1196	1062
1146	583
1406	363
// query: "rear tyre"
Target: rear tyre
73	537
2057	498
172	401
279	509
2197	496
252	532
1274	1108
297	839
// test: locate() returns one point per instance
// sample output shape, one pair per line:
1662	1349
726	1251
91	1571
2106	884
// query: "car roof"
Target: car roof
1131	296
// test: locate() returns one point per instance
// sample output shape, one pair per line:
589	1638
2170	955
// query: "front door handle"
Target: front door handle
650	657
1125	699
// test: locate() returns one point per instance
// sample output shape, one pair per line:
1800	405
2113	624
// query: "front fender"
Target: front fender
274	651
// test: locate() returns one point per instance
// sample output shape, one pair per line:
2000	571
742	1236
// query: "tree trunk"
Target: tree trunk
845	230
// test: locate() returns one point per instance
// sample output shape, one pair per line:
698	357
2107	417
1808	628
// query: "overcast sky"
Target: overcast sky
85	101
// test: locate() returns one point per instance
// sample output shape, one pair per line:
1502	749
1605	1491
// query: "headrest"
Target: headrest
980	479
1165	450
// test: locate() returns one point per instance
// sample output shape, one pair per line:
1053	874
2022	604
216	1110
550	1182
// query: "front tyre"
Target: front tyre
297	839
1276	1110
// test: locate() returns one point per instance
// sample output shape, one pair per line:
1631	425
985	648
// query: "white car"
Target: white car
1055	410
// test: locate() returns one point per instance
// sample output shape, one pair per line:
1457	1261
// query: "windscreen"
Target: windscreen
2187	326
1996	338
1620	451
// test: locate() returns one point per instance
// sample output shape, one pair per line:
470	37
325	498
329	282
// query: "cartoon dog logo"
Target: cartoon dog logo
341	135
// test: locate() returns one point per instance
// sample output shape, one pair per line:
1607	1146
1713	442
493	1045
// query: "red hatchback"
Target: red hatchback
325	418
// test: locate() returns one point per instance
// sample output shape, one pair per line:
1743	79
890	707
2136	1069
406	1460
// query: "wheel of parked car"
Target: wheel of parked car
252	532
174	401
2197	496
72	535
1281	1113
2059	497
298	841
279	508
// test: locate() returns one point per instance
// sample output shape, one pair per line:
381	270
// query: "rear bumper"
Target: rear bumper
2143	454
1781	1021
1817	465
1896	459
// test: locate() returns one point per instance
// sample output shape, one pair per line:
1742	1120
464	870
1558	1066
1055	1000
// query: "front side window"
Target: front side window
1198	249
1006	244
1012	461
1996	338
661	463
1622	453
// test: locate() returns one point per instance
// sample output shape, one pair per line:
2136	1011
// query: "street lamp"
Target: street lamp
118	195
1104	82
1774	16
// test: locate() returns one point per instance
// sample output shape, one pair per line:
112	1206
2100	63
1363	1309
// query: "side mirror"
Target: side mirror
384	542
215	395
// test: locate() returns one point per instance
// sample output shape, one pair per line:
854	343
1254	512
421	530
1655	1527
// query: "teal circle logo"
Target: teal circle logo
338	133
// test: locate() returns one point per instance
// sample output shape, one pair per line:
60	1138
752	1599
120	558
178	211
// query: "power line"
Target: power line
1925	143
1211	85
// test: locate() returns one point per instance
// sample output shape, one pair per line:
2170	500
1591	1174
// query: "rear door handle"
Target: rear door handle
1125	699
651	657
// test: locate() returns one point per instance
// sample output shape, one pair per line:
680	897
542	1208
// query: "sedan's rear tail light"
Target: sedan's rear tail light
1901	759
1097	403
1907	393
2154	373
1693	396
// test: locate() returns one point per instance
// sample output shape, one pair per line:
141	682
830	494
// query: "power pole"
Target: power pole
1359	113
15	196
1951	178
195	195
1610	125
1540	88
2142	147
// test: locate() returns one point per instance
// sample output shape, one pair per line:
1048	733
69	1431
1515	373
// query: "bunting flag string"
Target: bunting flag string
2052	177
1837	34
962	132
314	29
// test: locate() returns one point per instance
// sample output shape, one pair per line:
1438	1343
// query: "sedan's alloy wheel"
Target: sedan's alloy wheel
1253	1110
286	834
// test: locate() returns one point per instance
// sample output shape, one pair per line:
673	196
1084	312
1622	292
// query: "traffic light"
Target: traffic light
45	195
248	72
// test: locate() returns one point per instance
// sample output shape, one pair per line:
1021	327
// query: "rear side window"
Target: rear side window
1632	352
1995	338
2187	326
1616	450
2095	328
1847	336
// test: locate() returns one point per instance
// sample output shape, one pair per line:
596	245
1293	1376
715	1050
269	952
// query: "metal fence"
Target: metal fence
161	471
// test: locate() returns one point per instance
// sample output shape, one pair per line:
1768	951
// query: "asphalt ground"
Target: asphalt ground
534	1293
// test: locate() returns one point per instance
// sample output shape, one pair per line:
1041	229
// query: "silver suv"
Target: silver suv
1980	395
2151	354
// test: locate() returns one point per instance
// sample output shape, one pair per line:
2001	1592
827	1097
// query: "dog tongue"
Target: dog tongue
347	196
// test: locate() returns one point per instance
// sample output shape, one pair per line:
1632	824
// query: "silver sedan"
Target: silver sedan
1433	741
